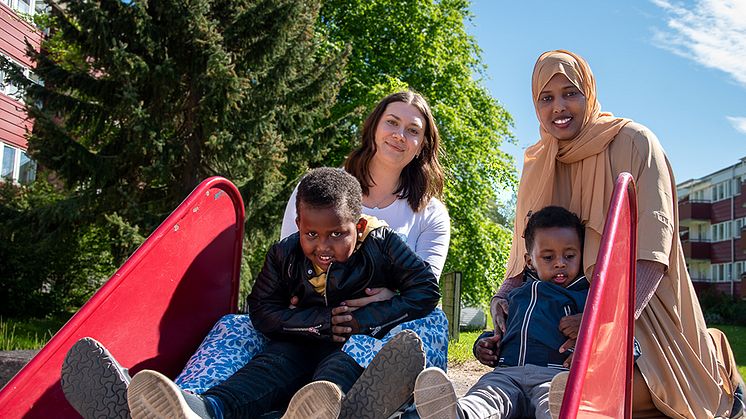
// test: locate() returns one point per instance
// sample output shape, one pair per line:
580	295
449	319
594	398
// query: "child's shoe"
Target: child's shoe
152	395
557	393
93	381
388	382
434	395
316	400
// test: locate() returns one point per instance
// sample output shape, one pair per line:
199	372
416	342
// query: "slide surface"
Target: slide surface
600	380
156	309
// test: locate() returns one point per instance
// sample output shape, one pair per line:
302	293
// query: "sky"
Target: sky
677	67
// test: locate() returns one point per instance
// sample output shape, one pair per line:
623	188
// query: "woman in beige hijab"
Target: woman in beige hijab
681	372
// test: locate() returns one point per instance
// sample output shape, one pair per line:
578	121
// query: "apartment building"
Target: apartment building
712	221
15	30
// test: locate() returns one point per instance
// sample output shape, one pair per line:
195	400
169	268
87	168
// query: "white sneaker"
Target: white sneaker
557	393
434	395
316	400
152	395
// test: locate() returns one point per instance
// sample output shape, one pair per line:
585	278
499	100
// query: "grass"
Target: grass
29	333
460	351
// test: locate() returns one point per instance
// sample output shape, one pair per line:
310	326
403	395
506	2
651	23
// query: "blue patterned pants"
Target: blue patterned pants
233	341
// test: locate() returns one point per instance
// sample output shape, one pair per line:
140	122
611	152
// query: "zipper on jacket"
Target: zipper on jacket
525	325
377	329
326	285
313	329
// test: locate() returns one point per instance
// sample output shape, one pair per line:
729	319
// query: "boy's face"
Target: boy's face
556	255
324	236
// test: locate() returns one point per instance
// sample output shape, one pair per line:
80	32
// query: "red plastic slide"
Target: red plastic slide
156	309
600	381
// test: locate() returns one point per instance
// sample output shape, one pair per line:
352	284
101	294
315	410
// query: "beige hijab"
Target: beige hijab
589	148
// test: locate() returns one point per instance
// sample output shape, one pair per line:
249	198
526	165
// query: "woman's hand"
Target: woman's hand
374	295
343	324
499	311
570	325
487	349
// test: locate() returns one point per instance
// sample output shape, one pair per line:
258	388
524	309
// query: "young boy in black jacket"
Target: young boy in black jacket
554	286
335	256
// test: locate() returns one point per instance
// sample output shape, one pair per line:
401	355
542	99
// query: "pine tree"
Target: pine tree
160	95
142	100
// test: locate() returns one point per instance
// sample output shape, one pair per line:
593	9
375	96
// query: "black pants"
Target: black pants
271	378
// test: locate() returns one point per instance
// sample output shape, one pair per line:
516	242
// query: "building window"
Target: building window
701	233
26	170
21	6
739	225
723	272
721	191
9	162
721	231
12	90
700	272
16	165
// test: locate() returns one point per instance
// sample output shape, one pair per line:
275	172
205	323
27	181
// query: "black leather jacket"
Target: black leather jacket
383	260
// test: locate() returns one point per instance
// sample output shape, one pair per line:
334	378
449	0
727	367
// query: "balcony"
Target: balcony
694	210
696	249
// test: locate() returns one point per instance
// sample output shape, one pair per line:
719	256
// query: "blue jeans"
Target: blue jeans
272	377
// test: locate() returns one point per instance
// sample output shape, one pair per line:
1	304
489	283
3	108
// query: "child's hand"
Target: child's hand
487	350
570	325
569	345
343	324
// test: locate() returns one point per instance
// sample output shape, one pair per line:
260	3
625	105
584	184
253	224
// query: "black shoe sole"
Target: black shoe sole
93	381
388	382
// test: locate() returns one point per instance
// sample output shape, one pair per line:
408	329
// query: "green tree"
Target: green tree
143	100
423	44
51	263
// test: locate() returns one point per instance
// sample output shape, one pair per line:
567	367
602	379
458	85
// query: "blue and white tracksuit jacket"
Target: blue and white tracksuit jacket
532	333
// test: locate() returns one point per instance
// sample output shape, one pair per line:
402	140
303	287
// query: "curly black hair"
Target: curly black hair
551	216
328	187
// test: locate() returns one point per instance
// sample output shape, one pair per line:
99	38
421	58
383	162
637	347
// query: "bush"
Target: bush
50	263
719	308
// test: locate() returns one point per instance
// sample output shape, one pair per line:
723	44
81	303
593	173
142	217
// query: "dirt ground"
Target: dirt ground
466	374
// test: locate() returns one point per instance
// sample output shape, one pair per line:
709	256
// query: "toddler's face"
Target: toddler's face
556	255
324	236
